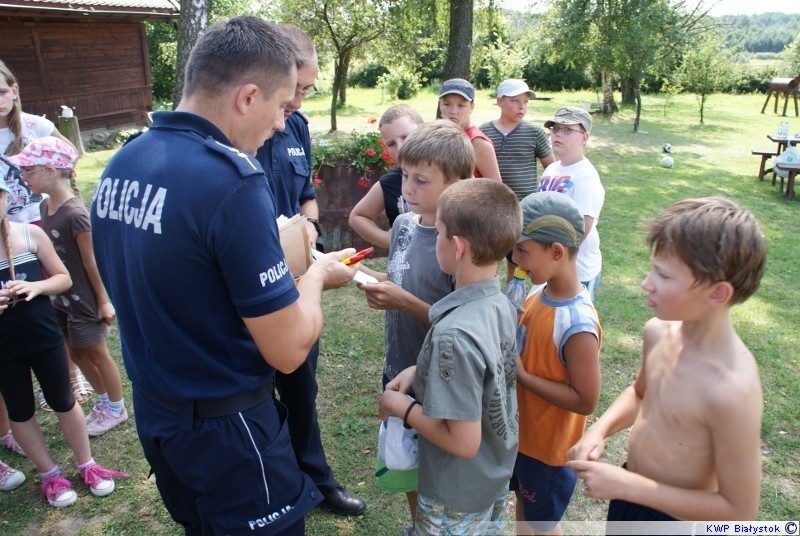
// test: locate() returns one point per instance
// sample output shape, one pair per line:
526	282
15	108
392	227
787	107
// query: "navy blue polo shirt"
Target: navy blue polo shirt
186	242
286	159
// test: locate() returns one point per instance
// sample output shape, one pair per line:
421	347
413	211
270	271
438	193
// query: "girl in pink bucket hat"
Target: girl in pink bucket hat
85	311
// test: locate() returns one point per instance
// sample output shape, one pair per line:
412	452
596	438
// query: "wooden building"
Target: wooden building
90	55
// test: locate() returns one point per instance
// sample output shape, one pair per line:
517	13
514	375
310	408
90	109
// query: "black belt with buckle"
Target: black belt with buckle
213	408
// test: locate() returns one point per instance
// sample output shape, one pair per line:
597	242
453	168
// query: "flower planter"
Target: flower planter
339	188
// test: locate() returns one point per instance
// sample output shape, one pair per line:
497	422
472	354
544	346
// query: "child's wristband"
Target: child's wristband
408	411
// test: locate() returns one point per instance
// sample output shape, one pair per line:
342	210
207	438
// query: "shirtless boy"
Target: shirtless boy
696	405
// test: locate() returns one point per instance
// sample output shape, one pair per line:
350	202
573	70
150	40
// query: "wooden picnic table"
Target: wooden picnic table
793	168
783	141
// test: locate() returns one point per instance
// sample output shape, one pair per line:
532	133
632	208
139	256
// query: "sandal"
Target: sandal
81	388
41	402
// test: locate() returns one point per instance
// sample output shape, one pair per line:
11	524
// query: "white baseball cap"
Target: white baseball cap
513	87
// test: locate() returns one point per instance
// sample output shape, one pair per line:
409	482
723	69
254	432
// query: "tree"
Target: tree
582	32
191	24
622	38
459	43
347	25
162	50
707	67
419	29
791	58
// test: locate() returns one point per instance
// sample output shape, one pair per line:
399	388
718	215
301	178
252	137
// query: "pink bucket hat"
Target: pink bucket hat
46	151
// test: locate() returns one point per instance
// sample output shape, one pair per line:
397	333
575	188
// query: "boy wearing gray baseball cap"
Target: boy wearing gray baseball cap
574	175
558	371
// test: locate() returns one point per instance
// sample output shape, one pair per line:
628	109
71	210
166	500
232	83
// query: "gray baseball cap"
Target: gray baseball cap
459	86
549	217
571	115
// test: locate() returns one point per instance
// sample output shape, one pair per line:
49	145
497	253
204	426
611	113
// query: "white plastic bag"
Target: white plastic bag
786	157
397	445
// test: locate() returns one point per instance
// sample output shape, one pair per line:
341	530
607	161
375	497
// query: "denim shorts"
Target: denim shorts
592	285
543	490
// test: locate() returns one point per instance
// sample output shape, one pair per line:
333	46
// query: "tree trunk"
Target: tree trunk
344	68
334	94
609	106
192	22
629	89
338	90
333	112
459	46
638	98
702	106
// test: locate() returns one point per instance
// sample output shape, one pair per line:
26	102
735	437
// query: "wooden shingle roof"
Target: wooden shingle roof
157	8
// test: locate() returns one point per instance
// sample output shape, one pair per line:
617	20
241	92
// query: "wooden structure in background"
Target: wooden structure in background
786	87
90	55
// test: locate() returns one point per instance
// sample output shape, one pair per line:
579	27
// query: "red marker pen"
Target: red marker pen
358	256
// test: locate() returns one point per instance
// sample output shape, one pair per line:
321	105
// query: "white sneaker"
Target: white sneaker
100	480
58	491
10	478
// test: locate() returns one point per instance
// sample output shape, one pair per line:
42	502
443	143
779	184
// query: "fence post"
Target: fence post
69	128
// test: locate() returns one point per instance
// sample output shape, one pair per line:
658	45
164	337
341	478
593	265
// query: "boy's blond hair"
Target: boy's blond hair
484	212
716	239
393	113
441	144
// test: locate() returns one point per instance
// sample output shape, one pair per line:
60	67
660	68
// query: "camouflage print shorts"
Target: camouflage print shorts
437	519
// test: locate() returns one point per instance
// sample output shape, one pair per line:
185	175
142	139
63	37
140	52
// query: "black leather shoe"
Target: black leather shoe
344	502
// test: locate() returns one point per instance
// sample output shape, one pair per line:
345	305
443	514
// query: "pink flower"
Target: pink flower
318	180
363	183
370	152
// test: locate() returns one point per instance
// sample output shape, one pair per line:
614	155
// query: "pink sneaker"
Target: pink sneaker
10	478
11	444
100	480
102	420
58	491
96	410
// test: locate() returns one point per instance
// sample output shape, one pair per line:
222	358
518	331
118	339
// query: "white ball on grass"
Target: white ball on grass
667	162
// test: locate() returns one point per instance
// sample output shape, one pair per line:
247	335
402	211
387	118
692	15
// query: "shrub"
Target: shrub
401	83
367	76
751	81
496	62
556	76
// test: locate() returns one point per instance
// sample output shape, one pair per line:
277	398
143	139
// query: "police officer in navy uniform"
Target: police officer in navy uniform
187	245
286	159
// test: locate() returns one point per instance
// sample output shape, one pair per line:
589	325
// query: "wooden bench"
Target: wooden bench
762	168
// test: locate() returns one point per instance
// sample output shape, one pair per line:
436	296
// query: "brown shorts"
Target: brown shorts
80	330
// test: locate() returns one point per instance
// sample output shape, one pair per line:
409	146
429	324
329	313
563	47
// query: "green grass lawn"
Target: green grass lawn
710	159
